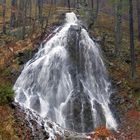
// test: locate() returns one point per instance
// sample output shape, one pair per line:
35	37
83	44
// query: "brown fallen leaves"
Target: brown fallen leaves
101	133
133	114
6	124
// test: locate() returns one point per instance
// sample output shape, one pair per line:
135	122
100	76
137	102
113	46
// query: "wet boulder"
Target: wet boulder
35	103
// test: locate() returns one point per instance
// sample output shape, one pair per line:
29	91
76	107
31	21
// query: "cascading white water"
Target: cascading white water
67	82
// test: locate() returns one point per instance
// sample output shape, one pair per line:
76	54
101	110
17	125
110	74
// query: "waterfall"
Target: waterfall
66	81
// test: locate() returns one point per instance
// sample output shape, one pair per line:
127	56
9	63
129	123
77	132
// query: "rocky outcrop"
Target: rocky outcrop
27	128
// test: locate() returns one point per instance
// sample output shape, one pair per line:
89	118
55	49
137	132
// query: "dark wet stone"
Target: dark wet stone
24	56
12	105
50	125
22	97
35	103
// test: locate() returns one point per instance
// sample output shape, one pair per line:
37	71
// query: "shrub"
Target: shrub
6	94
101	133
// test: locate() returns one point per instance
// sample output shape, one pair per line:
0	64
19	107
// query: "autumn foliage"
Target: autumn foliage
133	114
101	132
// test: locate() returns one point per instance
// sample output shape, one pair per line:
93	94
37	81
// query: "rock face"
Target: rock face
79	104
30	129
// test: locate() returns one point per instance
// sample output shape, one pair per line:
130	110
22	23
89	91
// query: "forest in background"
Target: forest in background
115	25
19	18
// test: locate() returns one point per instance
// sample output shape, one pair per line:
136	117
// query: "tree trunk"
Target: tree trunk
138	13
36	7
3	15
92	4
97	9
47	18
13	11
69	5
20	12
132	49
30	6
29	10
24	14
118	26
40	8
95	13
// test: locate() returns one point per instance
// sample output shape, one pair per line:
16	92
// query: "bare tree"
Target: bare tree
92	4
23	11
132	48
97	9
138	13
40	9
95	12
3	15
29	10
20	12
69	4
13	13
118	26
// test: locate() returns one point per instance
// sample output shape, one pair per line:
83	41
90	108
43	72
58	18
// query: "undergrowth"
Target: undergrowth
6	93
